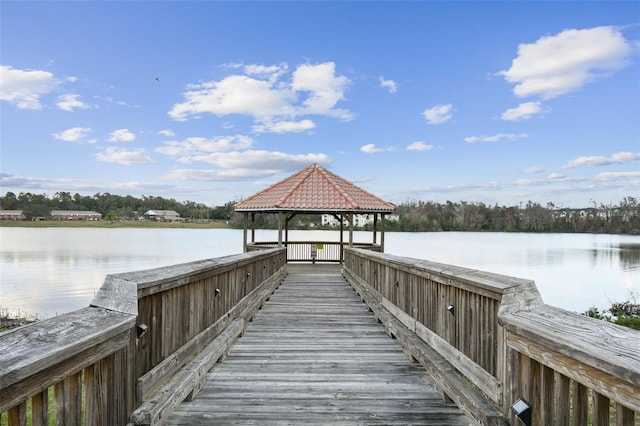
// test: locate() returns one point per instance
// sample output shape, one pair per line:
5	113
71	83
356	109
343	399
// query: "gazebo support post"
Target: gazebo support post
286	228
280	214
341	239
382	233
244	233
253	228
375	228
350	219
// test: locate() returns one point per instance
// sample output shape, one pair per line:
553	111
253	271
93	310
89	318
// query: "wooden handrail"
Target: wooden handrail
85	366
314	251
496	331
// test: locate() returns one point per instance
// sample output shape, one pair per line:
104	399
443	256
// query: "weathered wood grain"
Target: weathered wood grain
153	378
453	385
34	372
613	349
526	348
315	354
179	302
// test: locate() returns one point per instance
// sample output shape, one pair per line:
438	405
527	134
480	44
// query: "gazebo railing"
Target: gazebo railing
313	251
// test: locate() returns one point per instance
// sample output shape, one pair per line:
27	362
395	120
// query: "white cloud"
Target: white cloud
419	146
218	175
271	160
390	85
524	182
271	73
325	89
236	94
533	170
124	157
69	102
23	88
625	156
167	133
284	126
191	148
593	161
75	134
559	64
609	176
495	138
370	148
556	177
121	135
523	111
263	94
438	114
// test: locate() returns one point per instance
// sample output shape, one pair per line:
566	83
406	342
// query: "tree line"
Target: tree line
623	218
111	206
414	216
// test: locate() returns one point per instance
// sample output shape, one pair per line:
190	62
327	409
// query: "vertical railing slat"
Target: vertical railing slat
563	402
600	409
40	409
624	416
547	397
18	415
580	405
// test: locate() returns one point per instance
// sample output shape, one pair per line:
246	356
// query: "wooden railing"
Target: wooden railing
313	251
98	365
494	331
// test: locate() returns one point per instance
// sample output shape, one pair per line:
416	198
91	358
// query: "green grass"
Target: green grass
110	224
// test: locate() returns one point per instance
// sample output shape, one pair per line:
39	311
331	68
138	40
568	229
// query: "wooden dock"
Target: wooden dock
314	354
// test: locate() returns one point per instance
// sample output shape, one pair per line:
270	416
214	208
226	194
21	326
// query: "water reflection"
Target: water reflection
48	271
629	254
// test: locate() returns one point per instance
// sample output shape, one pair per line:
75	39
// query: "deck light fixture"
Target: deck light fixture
451	309
522	410
217	292
141	330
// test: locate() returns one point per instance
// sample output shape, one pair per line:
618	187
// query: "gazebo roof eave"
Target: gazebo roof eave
313	210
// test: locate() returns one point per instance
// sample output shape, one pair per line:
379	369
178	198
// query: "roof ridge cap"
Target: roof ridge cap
290	192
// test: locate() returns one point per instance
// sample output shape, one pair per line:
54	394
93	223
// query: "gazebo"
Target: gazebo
314	190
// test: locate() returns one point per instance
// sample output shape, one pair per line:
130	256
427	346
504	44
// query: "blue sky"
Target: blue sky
492	102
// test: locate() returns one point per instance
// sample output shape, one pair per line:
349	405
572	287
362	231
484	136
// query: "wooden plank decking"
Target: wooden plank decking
314	354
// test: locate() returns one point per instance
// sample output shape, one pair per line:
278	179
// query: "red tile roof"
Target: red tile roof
311	189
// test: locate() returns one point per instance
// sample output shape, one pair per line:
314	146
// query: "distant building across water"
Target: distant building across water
163	216
359	220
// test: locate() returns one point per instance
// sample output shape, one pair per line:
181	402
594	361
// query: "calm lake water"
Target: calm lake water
48	271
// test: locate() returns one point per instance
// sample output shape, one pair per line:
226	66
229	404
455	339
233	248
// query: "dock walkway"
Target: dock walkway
314	354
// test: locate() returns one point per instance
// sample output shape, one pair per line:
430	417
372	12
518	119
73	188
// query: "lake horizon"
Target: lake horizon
49	271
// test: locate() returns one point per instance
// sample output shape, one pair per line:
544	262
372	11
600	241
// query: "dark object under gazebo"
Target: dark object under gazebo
314	190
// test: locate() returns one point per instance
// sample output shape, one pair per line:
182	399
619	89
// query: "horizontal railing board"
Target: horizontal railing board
485	381
156	280
11	395
482	282
300	251
596	343
454	384
532	343
27	350
611	387
183	383
189	379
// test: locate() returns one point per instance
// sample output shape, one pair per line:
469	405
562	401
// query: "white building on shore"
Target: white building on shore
359	220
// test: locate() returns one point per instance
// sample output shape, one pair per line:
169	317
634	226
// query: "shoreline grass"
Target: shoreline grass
111	224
